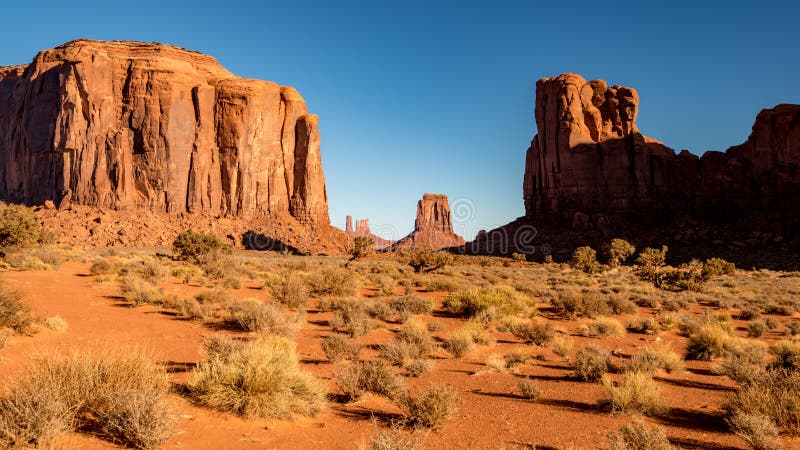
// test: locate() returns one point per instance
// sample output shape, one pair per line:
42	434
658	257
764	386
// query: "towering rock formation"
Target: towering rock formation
362	230
589	158
128	125
434	225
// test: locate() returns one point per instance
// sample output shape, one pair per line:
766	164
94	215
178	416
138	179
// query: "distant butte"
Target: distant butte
433	226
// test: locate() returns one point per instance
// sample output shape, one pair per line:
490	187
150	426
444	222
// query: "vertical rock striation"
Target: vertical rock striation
127	125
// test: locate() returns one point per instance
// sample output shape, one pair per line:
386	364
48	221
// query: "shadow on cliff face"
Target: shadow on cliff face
252	240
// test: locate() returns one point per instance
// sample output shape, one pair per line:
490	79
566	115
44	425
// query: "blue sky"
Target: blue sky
418	97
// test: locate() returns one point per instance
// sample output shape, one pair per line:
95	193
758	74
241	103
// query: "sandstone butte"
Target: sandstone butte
590	175
131	126
433	226
590	158
362	230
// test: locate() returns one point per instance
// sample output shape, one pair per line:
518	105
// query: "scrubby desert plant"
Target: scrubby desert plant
655	357
269	318
416	335
338	347
352	317
361	247
419	367
618	251
709	341
758	431
756	328
20	227
744	365
562	345
637	393
786	355
458	343
718	266
332	282
359	377
638	436
409	305
119	392
140	292
195	247
649	263
424	259
529	389
429	408
14	314
585	259
605	327
592	363
538	333
774	394
290	290
261	379
488	303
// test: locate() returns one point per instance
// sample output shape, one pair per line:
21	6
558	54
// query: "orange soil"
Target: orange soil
490	415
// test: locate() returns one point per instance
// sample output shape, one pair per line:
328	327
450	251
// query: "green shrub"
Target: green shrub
429	408
195	247
592	363
20	227
585	259
718	266
424	259
618	251
650	262
361	248
261	379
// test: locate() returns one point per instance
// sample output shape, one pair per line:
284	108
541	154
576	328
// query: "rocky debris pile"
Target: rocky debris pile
433	226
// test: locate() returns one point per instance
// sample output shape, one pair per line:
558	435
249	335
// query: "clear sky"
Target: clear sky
431	96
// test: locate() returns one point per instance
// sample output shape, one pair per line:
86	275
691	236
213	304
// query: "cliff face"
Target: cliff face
589	158
125	125
433	226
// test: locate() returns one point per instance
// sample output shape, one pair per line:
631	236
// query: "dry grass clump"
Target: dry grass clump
562	345
458	343
529	389
710	341
786	355
592	363
216	295
758	431
604	327
120	392
415	333
655	357
395	439
429	408
14	314
637	393
351	316
757	328
591	304
260	379
638	436
338	347
332	282
139	291
104	266
538	333
46	257
357	378
443	284
745	365
290	290
419	367
488	303
56	323
145	267
409	305
268	318
774	394
424	259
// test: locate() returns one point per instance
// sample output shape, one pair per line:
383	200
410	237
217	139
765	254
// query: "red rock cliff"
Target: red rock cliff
126	125
589	157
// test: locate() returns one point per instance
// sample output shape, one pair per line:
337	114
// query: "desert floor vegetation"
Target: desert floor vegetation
442	352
